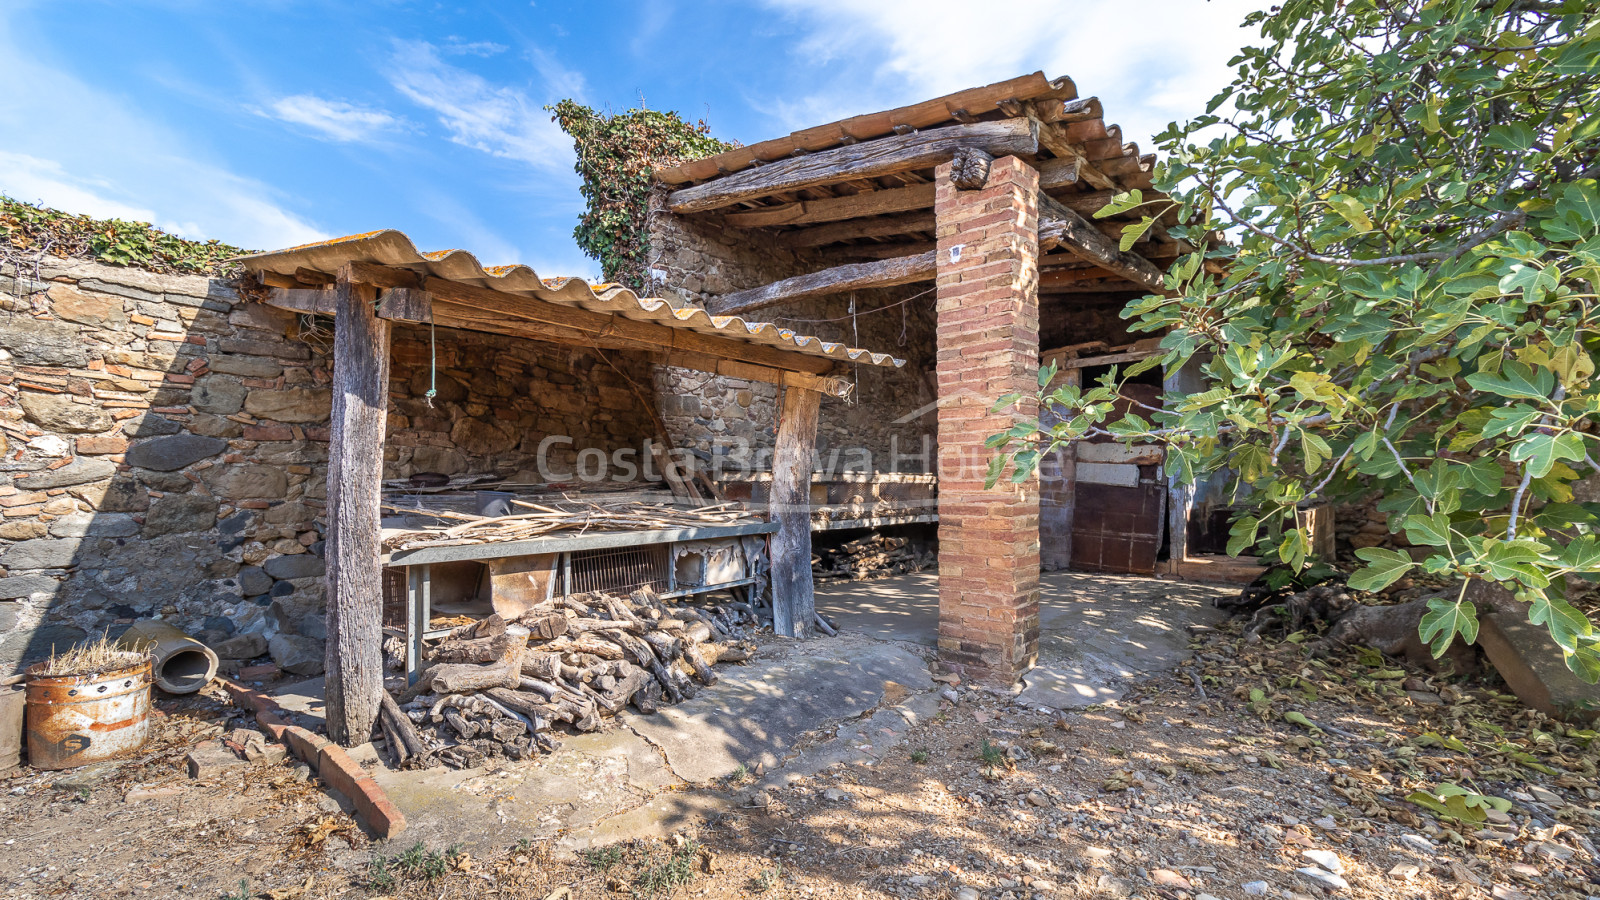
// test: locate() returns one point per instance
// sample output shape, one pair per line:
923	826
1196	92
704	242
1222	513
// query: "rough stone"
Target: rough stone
481	438
1325	879
252	579
244	366
248	482
57	412
218	394
297	654
242	646
211	759
216	426
19	586
177	513
73	305
168	454
150	425
39	342
296	405
301	565
41	553
1327	859
28	645
314	625
79	471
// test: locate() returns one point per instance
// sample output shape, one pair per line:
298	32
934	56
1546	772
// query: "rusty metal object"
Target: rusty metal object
182	665
74	720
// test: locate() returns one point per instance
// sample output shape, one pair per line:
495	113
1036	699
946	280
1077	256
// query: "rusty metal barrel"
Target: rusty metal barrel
74	720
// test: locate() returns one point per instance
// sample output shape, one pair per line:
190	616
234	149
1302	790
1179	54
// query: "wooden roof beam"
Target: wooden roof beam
850	277
917	150
887	226
1064	228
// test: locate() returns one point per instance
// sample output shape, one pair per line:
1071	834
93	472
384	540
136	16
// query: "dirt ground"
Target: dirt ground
1216	779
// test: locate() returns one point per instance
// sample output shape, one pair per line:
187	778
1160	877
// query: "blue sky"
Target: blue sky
267	124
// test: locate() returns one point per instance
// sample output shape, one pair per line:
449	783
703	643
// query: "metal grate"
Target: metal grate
621	570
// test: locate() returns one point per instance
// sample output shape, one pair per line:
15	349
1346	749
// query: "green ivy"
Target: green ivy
616	155
116	242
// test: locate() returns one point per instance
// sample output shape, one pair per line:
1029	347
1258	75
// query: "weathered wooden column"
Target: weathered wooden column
355	468
794	602
987	337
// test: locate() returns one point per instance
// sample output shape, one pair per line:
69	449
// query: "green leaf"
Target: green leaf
1430	531
1540	451
1384	567
1516	380
1351	210
1444	620
1299	718
1433	739
1121	203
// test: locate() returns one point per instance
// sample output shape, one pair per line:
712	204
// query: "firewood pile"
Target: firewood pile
497	687
539	519
872	556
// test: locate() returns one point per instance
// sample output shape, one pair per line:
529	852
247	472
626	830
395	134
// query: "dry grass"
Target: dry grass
90	658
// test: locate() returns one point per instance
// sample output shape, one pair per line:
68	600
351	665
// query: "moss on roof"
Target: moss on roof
32	229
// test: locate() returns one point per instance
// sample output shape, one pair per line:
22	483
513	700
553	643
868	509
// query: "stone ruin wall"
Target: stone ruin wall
694	261
163	449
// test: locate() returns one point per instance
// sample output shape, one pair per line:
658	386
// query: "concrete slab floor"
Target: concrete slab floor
795	709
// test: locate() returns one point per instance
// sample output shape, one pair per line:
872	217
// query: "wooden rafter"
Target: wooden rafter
854	276
1062	227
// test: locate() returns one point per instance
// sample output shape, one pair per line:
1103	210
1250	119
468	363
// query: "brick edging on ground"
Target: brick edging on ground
331	763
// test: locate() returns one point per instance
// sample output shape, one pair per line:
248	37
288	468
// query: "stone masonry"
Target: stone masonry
730	423
988	345
163	448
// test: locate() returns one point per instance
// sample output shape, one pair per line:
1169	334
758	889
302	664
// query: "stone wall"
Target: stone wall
730	422
164	448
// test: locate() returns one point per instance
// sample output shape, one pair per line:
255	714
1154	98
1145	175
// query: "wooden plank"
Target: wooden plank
849	277
833	387
886	226
303	300
405	305
1052	138
837	209
794	603
918	150
354	658
1060	226
870	125
570	543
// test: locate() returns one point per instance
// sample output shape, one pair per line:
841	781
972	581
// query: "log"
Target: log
455	678
698	662
849	277
354	656
970	169
1060	226
793	600
869	159
402	734
837	209
538	713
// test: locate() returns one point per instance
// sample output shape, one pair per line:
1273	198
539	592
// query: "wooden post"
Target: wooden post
355	466
794	605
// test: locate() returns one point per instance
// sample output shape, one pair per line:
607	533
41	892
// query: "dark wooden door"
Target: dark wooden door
1117	529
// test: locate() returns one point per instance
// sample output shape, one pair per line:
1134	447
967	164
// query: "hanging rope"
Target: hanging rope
433	362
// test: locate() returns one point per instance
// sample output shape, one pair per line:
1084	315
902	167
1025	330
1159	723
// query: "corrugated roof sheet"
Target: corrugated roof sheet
394	248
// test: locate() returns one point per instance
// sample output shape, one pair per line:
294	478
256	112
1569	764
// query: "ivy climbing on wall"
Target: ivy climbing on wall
25	228
616	153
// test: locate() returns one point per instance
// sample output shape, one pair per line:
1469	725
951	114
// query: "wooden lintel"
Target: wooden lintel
869	159
303	300
382	276
1062	227
853	276
833	387
1106	359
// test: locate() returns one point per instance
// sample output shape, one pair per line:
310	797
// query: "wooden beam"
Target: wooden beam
302	300
833	387
1054	174
794	603
406	305
853	276
354	653
1052	139
886	226
1060	226
855	252
869	159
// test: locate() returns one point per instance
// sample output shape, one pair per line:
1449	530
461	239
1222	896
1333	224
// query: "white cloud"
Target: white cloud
458	47
497	119
84	150
333	119
1150	62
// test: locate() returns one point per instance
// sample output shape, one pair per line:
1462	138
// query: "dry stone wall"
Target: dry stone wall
163	447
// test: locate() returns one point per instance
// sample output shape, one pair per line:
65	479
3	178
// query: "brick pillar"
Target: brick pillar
988	345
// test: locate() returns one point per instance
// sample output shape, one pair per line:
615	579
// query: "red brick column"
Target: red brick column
988	345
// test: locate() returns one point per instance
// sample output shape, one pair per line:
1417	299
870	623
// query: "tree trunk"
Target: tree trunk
354	660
